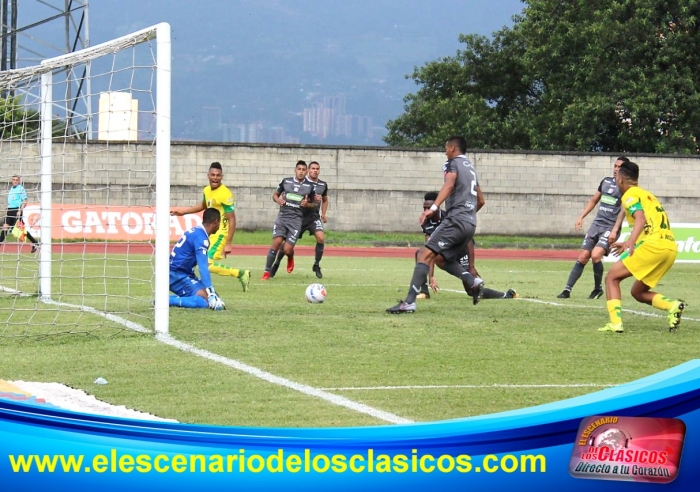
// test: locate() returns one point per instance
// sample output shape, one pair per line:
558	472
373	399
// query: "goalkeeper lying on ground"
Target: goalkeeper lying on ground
188	252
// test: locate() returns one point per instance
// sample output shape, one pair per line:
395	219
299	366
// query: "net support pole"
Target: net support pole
162	249
46	185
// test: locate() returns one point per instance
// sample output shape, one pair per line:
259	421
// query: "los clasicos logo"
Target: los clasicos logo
631	449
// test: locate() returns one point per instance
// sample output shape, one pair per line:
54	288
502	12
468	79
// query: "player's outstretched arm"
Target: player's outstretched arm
213	299
278	199
324	208
480	200
628	245
215	302
615	231
192	210
231	216
590	205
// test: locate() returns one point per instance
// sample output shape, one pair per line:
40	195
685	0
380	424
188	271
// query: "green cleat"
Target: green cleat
615	328
245	280
674	315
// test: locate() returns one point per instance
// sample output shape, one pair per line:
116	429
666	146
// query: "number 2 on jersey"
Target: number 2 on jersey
473	190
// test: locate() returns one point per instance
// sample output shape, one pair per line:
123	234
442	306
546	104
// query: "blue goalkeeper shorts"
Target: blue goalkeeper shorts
184	285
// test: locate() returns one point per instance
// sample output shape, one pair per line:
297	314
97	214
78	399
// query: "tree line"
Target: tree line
582	75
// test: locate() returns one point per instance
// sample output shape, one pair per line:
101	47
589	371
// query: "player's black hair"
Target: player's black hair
302	163
430	196
629	170
622	158
459	141
211	215
314	162
216	165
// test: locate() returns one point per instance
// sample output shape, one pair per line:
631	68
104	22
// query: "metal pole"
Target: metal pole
162	250
13	36
3	19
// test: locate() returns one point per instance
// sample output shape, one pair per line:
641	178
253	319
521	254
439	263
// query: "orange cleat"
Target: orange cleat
290	265
265	276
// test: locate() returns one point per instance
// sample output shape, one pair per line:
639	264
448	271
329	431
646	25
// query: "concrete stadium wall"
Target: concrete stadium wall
371	189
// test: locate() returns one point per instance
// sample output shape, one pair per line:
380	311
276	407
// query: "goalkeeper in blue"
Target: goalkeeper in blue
190	251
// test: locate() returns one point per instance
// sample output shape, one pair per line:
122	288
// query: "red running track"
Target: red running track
373	252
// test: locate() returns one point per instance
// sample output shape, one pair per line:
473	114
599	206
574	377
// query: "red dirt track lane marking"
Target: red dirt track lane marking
373	252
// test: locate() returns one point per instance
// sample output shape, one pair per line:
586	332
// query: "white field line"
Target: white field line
580	306
471	386
240	366
14	292
271	378
111	317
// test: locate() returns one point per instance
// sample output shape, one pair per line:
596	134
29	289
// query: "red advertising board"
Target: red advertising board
104	222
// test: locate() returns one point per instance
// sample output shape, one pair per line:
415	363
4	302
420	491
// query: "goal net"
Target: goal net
85	190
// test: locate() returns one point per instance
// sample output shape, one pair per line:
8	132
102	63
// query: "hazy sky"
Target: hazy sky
268	59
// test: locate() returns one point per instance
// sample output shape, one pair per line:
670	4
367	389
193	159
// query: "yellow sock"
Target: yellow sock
661	302
615	311
223	270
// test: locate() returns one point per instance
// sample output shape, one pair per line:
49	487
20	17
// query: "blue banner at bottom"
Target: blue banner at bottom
556	446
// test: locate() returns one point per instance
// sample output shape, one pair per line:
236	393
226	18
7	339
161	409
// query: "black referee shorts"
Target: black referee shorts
11	216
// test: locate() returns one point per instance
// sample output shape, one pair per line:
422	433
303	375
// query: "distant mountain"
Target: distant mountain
264	61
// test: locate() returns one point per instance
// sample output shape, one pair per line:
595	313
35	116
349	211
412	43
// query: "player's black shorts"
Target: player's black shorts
11	216
287	227
313	224
597	236
450	238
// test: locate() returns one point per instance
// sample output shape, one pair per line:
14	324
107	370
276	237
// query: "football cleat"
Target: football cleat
423	295
615	328
266	276
596	294
274	268
317	269
564	295
35	246
290	264
478	291
674	315
245	280
511	294
402	307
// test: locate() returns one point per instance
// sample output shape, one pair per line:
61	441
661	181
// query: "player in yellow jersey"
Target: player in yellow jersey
647	254
218	196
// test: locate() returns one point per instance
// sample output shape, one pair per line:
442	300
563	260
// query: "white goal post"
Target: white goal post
124	174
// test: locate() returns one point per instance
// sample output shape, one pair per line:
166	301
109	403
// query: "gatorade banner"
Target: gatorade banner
102	222
687	238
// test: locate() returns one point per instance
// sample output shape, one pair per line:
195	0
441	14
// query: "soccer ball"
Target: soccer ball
316	293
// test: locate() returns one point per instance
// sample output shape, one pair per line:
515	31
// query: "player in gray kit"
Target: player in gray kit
466	257
314	218
602	233
462	197
292	195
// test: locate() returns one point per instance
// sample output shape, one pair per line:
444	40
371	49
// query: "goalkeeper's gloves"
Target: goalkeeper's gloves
215	301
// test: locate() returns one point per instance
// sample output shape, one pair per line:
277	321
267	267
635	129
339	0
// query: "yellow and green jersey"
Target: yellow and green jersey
657	225
222	200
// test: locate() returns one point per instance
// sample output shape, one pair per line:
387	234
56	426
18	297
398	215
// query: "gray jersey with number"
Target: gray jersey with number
294	192
609	206
320	188
461	204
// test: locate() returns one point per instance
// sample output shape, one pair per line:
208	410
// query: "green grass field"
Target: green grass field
449	360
